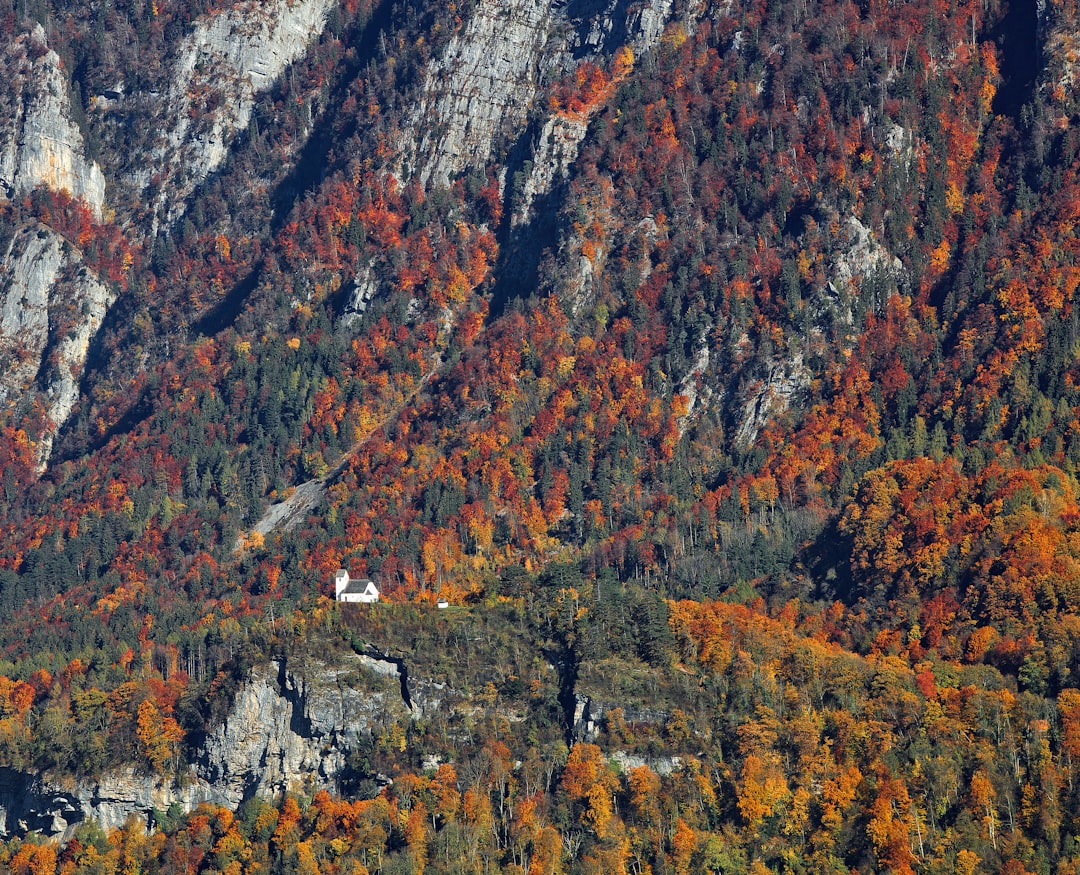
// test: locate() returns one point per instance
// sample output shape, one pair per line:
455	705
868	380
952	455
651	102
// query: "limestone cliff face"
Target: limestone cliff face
1058	44
31	265
553	151
291	728
770	396
40	145
51	306
484	89
861	256
229	58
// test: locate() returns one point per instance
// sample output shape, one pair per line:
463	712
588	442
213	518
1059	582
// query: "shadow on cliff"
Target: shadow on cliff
587	17
314	160
75	439
1017	36
522	249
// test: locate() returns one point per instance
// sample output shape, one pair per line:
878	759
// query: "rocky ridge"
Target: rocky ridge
51	306
40	144
229	58
290	728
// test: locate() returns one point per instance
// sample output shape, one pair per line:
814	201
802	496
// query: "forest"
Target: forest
762	430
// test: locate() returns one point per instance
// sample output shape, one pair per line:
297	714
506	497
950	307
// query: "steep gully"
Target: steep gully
311	163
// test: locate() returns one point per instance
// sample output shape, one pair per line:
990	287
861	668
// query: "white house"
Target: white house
442	604
348	590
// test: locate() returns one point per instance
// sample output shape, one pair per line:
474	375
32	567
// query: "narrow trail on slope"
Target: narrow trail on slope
305	498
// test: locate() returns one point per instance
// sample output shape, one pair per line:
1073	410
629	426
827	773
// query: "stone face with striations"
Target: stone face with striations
770	396
229	58
292	729
482	92
51	306
40	144
481	88
289	729
554	151
31	266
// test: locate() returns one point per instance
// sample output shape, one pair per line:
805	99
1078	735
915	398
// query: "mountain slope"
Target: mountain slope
668	328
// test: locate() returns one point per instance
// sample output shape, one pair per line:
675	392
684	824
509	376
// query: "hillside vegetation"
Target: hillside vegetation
758	429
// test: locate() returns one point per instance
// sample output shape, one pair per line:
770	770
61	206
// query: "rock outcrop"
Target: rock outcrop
861	257
660	764
1059	47
483	90
770	397
40	144
290	728
229	58
293	729
554	150
51	306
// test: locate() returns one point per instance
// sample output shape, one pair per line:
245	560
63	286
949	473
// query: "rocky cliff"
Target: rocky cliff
481	88
51	306
291	728
483	93
484	89
40	144
229	58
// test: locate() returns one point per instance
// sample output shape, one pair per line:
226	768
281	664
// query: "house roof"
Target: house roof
360	586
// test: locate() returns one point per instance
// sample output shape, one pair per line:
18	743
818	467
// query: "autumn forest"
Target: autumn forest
742	437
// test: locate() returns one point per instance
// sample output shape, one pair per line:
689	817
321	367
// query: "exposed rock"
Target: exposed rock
770	397
221	66
482	91
589	714
663	766
692	386
31	267
555	150
1060	49
119	796
40	145
602	26
482	87
901	141
581	290
585	252
287	514
363	290
51	306
860	257
92	298
31	803
289	729
28	804
647	22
